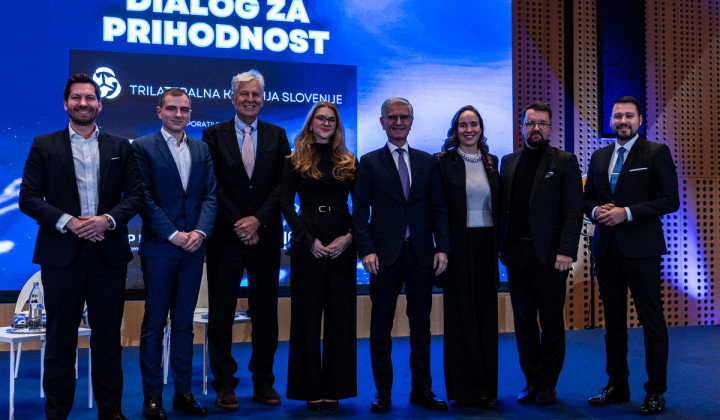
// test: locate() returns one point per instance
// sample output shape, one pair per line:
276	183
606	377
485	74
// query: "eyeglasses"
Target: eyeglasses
403	118
542	124
323	119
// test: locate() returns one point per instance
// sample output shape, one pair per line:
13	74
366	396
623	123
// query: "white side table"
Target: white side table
11	339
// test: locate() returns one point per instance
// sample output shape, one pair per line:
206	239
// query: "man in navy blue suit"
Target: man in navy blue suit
178	215
82	186
405	241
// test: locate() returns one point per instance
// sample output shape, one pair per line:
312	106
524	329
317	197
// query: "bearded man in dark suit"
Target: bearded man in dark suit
540	222
630	185
82	186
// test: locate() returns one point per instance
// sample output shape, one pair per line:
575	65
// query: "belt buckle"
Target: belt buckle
323	209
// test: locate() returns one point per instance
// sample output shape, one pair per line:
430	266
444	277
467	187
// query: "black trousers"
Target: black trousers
323	286
471	324
225	270
642	275
537	291
88	279
385	288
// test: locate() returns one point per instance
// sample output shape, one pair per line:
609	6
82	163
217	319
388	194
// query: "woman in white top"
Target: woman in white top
471	184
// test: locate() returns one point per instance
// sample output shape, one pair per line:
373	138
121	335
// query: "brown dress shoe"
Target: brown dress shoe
267	396
226	399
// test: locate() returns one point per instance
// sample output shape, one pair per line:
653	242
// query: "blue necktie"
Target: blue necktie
404	180
616	169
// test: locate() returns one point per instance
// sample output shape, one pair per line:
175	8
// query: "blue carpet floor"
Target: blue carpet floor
693	383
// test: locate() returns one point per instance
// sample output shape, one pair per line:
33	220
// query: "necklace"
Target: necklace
470	158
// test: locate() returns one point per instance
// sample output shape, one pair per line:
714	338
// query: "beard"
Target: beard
621	137
82	120
536	140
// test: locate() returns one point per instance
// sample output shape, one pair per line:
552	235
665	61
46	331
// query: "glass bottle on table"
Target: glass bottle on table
35	307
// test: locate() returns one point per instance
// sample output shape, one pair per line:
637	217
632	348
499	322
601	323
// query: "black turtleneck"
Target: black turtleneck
518	220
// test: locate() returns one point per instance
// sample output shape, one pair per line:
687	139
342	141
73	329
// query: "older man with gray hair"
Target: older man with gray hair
402	237
248	157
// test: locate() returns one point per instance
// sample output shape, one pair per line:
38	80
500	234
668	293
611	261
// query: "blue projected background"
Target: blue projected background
439	55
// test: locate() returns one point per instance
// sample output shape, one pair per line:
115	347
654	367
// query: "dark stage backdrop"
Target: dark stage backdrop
355	53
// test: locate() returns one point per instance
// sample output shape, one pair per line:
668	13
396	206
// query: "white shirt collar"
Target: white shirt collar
627	145
75	136
392	147
170	138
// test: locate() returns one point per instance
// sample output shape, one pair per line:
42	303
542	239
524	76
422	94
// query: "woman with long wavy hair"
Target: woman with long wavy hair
471	183
321	171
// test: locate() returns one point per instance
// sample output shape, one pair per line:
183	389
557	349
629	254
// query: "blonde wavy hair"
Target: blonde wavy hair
305	159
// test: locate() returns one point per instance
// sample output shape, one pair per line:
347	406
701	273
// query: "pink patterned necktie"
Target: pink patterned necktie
404	180
248	152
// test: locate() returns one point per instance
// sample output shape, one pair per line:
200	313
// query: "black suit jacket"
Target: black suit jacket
237	195
168	207
49	190
647	185
452	173
555	204
378	187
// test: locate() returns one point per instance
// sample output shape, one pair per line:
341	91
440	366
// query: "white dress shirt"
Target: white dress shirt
86	161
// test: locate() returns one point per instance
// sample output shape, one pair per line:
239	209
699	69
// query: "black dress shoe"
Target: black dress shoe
381	403
611	395
654	404
314	405
118	416
485	402
427	399
546	396
330	405
153	409
528	395
187	404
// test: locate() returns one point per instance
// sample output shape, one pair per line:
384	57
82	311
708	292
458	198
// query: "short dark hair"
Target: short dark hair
536	106
173	92
80	78
628	100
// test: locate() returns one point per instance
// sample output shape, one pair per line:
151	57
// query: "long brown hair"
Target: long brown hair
305	159
452	142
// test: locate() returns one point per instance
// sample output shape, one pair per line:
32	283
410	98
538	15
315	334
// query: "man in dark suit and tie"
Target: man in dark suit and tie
178	215
540	222
82	186
401	188
248	157
630	185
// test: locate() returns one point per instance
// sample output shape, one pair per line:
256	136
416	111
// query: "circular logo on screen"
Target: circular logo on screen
109	85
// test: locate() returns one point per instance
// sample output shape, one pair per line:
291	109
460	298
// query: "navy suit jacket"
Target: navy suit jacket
239	196
647	185
168	207
556	201
378	190
49	190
